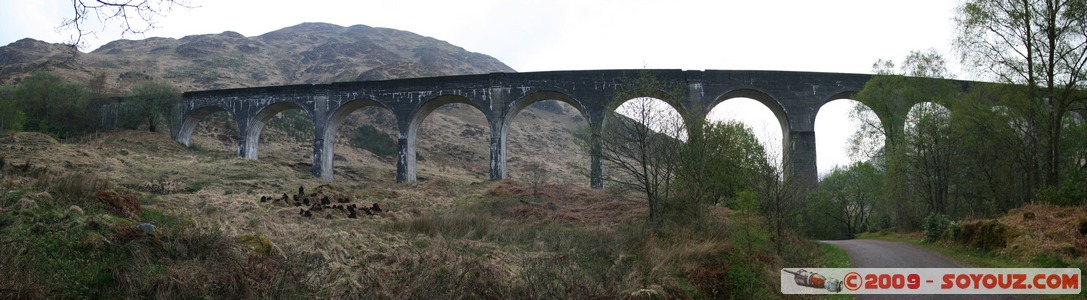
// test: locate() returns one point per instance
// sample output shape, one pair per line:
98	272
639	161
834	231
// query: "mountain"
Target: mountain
453	138
304	53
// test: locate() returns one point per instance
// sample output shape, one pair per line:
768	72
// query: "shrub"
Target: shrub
983	235
73	188
122	205
933	227
294	123
714	276
1069	194
256	245
371	139
438	272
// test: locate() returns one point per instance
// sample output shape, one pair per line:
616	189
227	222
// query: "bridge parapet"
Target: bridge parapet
794	97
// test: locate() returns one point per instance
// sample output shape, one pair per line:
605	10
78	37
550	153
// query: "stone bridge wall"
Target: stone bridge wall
794	97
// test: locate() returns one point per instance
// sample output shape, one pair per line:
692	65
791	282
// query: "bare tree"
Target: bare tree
781	197
537	176
641	149
134	16
641	141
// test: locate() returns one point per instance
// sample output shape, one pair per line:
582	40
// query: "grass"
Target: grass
835	257
448	237
80	243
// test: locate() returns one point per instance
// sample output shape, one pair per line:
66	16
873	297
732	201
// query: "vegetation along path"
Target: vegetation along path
887	254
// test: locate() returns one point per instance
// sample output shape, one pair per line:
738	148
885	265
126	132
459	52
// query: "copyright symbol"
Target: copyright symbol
852	281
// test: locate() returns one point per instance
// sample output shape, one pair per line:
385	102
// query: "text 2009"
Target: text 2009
854	281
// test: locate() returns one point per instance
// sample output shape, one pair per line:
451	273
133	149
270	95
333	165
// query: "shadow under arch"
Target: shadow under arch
527	101
194	117
842	95
432	104
256	125
335	121
762	97
406	160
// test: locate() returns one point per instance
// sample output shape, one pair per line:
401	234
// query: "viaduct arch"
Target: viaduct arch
794	97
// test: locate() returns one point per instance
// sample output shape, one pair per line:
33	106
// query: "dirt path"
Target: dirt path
887	254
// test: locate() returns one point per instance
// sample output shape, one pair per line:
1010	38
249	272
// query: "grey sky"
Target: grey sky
540	35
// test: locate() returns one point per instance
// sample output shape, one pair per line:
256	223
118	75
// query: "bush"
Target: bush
983	235
122	205
933	227
1069	194
295	123
73	188
50	104
371	139
439	272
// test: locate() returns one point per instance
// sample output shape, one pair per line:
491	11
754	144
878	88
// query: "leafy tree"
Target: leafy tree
917	152
996	164
718	162
842	204
929	152
679	170
1038	44
11	118
150	102
55	106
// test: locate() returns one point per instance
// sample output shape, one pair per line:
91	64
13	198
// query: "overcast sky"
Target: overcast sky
825	36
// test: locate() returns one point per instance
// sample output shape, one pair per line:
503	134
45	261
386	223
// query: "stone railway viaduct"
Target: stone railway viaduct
794	97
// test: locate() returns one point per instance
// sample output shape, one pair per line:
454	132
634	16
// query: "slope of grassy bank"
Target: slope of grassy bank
1033	236
77	221
1036	235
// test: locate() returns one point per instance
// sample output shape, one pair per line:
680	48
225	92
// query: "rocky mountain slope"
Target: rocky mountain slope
305	53
452	142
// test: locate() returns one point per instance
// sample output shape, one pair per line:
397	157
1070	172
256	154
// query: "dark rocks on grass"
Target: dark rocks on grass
146	228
